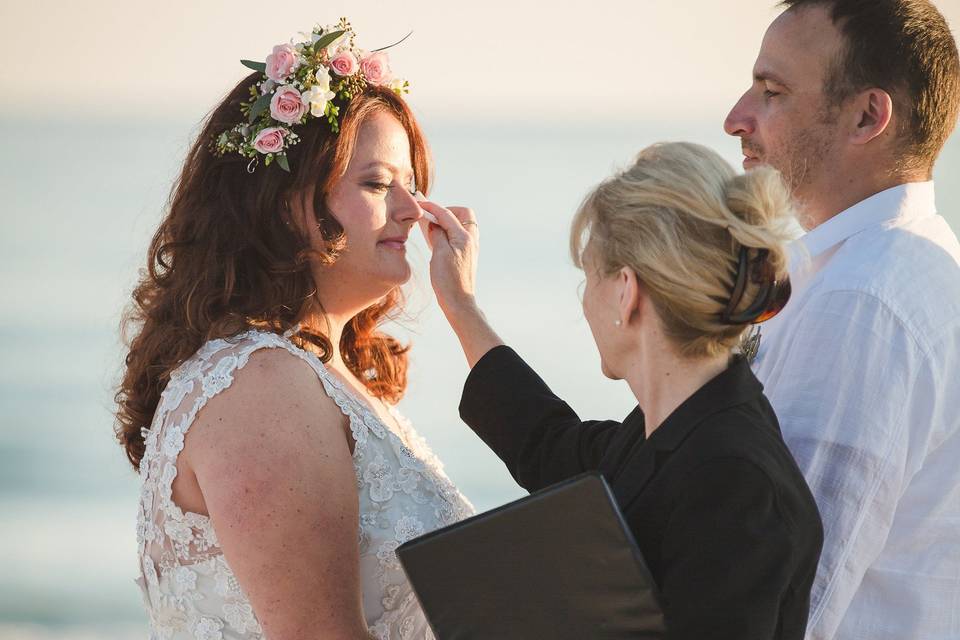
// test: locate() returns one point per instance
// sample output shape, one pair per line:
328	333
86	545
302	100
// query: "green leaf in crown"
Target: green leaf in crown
256	66
261	105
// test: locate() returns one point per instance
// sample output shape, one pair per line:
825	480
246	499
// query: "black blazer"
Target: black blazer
717	504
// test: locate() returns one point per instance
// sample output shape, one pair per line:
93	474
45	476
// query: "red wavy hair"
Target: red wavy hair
224	259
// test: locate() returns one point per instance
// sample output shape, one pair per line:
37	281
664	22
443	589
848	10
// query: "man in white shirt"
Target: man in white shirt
852	101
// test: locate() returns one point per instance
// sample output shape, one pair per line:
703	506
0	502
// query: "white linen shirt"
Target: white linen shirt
863	370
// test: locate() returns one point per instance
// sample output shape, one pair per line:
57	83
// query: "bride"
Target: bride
258	399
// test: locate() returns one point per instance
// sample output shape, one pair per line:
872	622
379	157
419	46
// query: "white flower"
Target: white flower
150	572
380	631
173	442
407	627
375	426
227	585
394	592
380	477
408	528
188	369
387	555
317	97
185	578
211	347
178	531
169	616
408	480
220	377
208	629
397	84
240	617
323	77
169	469
408	458
209	536
141	532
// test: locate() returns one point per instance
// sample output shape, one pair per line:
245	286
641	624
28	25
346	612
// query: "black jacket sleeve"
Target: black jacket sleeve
537	435
727	555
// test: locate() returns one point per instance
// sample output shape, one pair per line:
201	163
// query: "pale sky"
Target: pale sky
499	58
529	60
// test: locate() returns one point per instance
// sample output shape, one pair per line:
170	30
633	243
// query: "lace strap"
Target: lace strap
344	400
334	389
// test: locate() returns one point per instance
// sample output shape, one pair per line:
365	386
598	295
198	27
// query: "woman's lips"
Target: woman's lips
397	245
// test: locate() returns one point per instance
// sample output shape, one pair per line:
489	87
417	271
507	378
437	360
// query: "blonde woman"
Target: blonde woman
681	256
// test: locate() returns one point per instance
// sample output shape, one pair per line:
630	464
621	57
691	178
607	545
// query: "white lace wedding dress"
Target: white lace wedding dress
188	587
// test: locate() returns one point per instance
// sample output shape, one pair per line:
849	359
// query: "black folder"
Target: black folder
560	563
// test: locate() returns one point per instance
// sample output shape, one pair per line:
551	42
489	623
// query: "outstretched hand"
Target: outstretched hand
455	243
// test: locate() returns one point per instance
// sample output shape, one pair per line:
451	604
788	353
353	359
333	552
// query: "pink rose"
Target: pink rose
270	140
282	62
344	63
286	105
376	68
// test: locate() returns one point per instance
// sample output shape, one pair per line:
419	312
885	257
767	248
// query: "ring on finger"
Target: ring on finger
470	222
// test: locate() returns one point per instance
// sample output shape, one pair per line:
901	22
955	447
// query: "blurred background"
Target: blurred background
525	109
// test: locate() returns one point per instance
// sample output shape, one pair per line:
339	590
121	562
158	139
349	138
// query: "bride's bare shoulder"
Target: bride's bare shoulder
275	395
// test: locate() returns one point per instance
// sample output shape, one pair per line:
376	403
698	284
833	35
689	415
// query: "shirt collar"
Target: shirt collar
900	203
735	385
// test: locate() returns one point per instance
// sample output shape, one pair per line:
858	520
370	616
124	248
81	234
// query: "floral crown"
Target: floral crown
300	83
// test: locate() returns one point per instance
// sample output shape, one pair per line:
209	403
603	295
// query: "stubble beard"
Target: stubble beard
805	163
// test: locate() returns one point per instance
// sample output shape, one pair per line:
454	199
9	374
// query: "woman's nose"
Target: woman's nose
406	208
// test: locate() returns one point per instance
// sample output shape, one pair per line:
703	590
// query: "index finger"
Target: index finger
464	214
446	219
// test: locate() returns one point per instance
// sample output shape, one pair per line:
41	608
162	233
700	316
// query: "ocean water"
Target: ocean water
79	202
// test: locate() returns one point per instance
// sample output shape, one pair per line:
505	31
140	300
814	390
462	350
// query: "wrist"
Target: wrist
463	309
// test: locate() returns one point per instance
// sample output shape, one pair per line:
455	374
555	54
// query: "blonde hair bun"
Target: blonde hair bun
678	217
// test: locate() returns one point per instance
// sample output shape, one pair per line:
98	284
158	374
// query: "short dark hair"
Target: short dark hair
905	48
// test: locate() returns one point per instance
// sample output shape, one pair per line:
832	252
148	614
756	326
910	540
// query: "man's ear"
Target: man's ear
871	115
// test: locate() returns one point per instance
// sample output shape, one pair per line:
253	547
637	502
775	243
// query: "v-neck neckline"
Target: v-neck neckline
353	395
347	390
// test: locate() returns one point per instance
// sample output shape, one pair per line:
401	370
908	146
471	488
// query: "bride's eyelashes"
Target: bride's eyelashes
379	187
383	187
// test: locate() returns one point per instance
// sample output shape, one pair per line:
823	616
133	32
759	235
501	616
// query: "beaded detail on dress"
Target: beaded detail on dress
188	588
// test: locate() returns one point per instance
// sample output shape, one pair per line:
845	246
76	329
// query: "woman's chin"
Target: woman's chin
609	373
396	275
404	274
395	266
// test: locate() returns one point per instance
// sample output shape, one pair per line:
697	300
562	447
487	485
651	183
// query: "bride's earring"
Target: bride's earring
617	323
